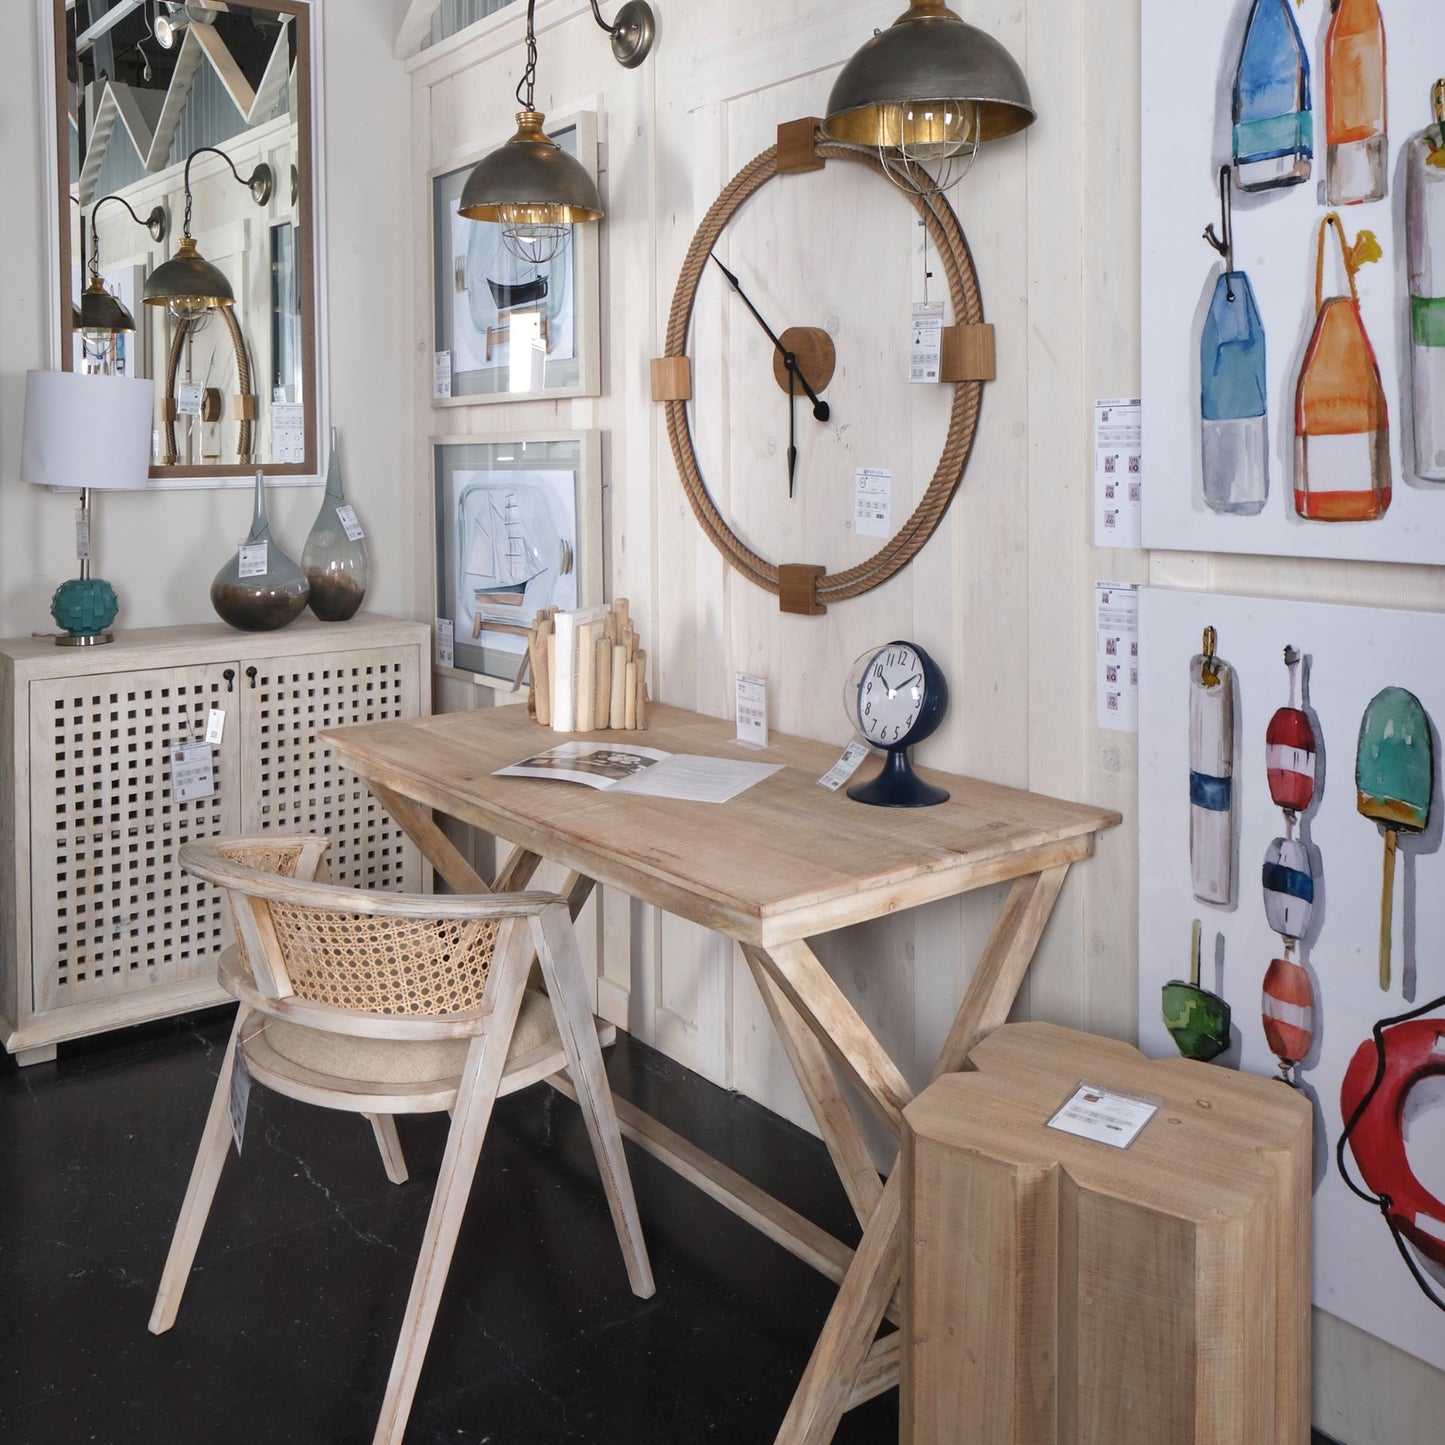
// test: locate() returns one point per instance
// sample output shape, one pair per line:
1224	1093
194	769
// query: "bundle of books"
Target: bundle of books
588	673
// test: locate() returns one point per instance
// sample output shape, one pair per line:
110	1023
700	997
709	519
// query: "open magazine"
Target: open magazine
629	768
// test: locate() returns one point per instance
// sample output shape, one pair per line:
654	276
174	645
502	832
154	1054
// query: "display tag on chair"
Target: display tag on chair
240	1096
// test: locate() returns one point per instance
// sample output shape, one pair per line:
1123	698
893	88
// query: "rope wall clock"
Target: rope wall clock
804	362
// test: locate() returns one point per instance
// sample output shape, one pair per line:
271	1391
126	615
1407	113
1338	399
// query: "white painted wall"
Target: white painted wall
1002	593
161	550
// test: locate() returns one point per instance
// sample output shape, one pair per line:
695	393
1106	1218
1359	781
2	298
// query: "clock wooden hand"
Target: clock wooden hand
820	408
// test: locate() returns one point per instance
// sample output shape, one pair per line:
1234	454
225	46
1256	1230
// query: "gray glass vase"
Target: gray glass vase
334	558
275	590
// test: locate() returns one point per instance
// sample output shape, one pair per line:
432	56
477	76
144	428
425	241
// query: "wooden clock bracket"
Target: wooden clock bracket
798	588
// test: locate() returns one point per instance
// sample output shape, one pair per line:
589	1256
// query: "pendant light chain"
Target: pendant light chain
529	72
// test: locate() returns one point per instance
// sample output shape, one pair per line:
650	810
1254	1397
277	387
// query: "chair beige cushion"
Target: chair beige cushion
399	1061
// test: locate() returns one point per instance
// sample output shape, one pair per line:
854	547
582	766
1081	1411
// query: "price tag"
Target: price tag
188	399
240	1095
193	773
446	651
288	431
252	558
752	710
926	346
215	726
278	393
441	381
845	767
347	517
871	489
82	533
1104	1115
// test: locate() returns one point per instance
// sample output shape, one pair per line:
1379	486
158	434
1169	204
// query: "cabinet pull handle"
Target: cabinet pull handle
230	676
251	673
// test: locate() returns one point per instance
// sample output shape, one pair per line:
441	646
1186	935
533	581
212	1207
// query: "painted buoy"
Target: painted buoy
1289	759
1414	1050
1288	1009
1289	887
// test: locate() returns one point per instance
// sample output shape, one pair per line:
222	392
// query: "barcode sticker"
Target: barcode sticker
845	767
252	559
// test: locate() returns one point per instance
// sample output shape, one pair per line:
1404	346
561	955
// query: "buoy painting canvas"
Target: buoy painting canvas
1335	790
1293	391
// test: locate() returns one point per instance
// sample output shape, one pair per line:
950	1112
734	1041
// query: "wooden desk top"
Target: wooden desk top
785	860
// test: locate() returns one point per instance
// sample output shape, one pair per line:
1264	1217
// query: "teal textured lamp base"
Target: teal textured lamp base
84	607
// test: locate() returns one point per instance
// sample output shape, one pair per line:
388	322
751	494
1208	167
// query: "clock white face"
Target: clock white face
890	696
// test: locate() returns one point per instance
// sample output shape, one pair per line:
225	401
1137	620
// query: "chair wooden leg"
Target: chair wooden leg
477	1092
561	964
387	1141
205	1175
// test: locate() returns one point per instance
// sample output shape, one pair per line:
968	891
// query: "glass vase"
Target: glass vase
334	558
260	588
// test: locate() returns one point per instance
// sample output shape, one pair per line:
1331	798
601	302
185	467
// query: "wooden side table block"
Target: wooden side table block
1057	1289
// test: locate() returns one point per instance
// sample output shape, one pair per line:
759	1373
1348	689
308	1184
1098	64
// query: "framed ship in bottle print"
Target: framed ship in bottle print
1294	367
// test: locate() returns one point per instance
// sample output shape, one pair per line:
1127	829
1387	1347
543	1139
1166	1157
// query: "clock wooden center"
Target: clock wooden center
816	358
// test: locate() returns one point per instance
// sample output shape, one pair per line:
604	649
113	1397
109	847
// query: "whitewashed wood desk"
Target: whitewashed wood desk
785	861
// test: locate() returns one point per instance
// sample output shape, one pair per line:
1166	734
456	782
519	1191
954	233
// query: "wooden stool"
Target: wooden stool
1058	1289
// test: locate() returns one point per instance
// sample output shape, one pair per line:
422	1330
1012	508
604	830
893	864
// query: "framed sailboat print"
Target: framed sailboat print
512	322
518	528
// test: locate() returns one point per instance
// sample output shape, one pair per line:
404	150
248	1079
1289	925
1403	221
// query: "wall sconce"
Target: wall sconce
188	285
531	187
927	91
101	314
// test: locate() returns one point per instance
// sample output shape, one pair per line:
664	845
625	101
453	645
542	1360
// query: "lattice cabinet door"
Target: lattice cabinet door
112	912
293	784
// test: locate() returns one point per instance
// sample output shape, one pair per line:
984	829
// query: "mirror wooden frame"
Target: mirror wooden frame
306	18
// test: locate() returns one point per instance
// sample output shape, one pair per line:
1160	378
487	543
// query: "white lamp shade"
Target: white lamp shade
87	431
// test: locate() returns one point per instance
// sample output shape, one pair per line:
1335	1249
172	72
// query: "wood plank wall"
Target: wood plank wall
1002	594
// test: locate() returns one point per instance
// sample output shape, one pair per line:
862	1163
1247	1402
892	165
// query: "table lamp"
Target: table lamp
90	432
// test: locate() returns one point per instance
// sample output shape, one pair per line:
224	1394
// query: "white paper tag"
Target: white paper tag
193	773
1116	655
927	343
871	489
845	767
288	431
347	517
278	393
1118	484
240	1095
441	380
446	650
82	533
752	710
188	398
1105	1115
252	559
215	726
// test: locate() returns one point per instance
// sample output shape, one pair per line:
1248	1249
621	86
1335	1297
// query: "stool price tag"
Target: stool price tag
188	398
845	767
215	726
252	559
193	773
1105	1115
347	517
752	710
240	1095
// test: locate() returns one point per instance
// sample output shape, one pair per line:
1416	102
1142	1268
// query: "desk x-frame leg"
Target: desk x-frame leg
847	1365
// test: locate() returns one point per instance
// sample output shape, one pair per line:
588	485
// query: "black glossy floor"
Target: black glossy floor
291	1314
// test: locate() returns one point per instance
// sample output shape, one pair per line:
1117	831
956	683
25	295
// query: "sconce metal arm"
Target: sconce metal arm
258	182
632	32
155	223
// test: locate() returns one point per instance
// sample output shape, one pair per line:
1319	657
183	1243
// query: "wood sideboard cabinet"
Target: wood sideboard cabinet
99	926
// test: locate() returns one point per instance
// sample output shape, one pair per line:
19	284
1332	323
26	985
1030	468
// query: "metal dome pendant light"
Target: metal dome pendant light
102	315
925	93
531	187
188	285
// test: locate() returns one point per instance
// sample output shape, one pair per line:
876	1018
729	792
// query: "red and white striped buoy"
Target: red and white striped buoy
1289	750
1288	1009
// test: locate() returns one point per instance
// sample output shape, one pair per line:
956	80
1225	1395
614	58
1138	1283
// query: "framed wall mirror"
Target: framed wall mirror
144	90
